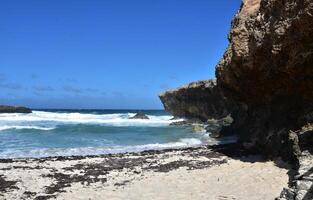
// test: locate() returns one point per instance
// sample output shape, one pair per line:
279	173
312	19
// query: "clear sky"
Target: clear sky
107	53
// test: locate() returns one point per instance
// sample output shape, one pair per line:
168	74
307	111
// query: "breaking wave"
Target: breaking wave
83	151
18	120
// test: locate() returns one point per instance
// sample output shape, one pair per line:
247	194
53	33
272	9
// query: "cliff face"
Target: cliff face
270	52
267	70
201	100
265	78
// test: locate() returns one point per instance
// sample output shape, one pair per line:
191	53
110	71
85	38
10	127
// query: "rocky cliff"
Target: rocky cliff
267	70
201	100
266	75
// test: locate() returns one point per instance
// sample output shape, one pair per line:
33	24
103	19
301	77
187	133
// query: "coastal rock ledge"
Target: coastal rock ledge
14	109
266	75
201	100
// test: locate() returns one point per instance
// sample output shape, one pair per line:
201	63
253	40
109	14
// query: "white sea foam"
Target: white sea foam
83	151
25	127
46	152
119	119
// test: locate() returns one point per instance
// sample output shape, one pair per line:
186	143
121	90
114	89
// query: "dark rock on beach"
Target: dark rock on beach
220	127
216	127
140	115
14	109
180	123
186	122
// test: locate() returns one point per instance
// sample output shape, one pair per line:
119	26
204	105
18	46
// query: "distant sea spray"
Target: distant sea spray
116	119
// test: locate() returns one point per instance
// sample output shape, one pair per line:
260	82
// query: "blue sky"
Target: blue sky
107	53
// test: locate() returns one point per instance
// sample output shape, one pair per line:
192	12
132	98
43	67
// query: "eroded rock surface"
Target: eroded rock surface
267	71
266	75
201	99
265	78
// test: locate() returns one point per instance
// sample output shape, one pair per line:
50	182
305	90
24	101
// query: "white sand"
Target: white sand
235	179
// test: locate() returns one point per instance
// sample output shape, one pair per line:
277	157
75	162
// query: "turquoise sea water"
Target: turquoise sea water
90	132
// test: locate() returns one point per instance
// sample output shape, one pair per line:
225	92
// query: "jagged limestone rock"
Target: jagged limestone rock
200	99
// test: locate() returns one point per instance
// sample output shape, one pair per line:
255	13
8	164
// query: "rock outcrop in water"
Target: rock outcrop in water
14	109
266	75
140	115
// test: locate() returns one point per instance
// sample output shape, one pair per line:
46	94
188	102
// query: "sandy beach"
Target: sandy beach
219	172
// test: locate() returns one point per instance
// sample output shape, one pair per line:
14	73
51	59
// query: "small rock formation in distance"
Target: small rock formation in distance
140	115
14	109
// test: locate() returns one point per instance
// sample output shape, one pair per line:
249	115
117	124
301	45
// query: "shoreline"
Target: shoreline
217	147
119	176
230	149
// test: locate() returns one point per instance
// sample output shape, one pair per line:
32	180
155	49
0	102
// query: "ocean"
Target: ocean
46	133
